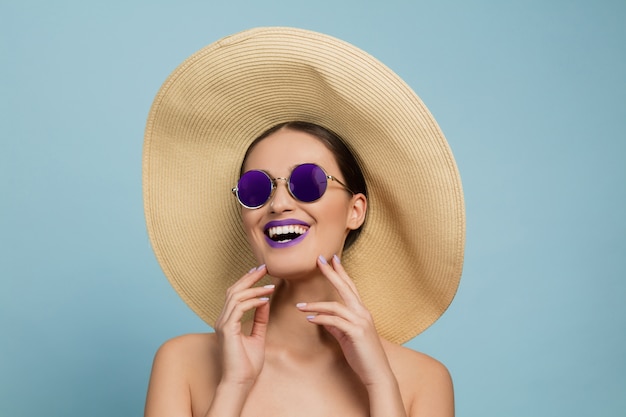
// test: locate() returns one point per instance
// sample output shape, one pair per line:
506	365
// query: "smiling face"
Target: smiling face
288	235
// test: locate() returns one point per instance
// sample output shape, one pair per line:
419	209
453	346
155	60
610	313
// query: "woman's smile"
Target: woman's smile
285	233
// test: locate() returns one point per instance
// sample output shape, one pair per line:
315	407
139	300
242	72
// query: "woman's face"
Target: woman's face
325	222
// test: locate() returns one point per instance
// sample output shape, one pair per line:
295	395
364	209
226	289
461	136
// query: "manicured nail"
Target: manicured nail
311	317
323	260
252	270
269	286
264	298
336	258
260	267
301	305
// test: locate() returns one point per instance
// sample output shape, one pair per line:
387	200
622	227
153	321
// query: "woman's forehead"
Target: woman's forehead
286	148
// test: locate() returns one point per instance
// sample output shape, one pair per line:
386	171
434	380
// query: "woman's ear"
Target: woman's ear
356	217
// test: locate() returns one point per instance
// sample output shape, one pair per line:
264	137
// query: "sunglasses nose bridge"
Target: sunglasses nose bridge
277	195
275	183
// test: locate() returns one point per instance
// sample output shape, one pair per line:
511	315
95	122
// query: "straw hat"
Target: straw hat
406	263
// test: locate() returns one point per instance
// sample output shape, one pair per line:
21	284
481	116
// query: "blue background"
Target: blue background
531	96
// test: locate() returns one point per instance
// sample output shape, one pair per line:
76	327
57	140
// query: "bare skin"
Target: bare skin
313	349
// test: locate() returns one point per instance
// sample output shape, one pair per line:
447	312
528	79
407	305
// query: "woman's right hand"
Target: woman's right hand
242	356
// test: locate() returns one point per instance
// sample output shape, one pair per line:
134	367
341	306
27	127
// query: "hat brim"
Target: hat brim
408	260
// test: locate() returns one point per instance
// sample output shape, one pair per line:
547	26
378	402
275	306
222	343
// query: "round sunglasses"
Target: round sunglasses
306	183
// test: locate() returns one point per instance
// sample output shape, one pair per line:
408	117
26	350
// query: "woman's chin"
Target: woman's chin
291	270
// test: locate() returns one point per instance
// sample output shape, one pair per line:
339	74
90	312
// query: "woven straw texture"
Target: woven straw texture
408	260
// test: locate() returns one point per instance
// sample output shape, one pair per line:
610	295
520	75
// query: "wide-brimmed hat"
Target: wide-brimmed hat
408	260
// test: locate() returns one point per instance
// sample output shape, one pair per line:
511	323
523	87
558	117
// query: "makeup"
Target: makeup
285	233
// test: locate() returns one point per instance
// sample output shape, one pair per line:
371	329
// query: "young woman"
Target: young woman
311	338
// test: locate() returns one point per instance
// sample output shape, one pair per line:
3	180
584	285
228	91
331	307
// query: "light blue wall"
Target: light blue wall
532	98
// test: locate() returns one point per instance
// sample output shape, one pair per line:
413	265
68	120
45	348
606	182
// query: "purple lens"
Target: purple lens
254	188
308	182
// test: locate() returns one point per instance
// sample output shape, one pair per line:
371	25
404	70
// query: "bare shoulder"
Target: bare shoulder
414	366
425	382
187	348
180	364
189	358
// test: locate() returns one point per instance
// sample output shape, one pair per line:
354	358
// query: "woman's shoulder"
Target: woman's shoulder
190	341
185	361
410	362
182	365
183	356
420	376
188	348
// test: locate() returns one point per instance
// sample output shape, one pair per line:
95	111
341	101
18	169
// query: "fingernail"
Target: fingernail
336	258
252	270
264	298
269	286
260	267
311	317
301	305
323	260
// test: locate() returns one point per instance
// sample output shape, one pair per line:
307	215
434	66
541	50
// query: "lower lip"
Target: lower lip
280	245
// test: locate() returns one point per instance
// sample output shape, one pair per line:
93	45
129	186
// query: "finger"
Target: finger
249	279
246	294
331	322
237	313
329	308
232	298
259	323
339	269
345	291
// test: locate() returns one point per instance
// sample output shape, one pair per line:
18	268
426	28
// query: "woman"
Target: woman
314	338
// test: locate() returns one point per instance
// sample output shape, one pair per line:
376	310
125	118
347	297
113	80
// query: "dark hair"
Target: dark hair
348	165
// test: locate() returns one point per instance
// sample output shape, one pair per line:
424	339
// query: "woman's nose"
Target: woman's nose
281	200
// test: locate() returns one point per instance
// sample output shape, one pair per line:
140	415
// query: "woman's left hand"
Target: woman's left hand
351	324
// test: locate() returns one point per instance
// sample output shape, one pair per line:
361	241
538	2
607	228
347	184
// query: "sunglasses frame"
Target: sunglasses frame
235	190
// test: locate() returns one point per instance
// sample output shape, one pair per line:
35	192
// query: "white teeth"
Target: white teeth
283	230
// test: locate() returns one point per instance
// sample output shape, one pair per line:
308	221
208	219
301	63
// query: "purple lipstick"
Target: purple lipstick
285	233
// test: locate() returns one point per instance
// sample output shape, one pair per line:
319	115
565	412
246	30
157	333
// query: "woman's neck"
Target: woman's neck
288	327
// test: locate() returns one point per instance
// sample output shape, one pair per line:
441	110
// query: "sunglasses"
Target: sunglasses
306	183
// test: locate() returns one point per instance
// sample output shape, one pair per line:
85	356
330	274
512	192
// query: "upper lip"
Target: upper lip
279	227
285	222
